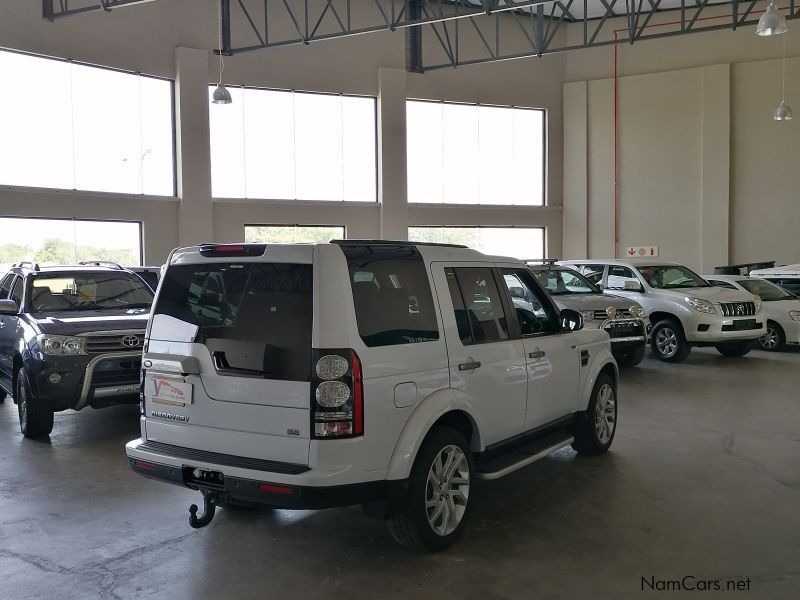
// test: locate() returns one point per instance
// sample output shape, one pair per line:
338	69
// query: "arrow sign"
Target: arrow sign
642	251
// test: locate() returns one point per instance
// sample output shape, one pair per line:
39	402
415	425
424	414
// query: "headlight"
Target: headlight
635	311
795	314
700	305
61	345
611	312
758	303
588	315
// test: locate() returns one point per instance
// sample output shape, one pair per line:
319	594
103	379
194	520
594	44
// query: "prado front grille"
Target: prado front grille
737	309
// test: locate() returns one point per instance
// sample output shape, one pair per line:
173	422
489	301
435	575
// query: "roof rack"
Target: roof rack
101	263
737	269
395	243
540	261
26	264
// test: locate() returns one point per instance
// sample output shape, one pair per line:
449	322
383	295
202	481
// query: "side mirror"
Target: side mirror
9	308
632	286
571	320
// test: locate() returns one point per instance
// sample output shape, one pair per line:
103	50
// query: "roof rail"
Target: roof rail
101	263
27	264
395	243
737	269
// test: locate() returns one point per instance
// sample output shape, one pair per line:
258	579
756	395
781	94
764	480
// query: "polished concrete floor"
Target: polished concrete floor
703	480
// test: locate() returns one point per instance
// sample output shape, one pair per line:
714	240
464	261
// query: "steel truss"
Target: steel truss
452	33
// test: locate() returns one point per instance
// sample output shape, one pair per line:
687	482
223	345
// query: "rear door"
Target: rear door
229	356
486	364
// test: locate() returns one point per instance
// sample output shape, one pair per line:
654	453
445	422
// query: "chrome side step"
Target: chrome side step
526	455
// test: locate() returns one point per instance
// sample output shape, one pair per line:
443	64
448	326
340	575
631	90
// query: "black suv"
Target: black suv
70	337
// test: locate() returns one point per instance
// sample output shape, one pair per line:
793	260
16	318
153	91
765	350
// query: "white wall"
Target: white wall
704	171
145	38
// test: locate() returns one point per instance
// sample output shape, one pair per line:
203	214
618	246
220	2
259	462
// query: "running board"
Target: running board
506	464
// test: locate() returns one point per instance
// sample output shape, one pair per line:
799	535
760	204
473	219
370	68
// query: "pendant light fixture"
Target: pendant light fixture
783	112
772	22
221	94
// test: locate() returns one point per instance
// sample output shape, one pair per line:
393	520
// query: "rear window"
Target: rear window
255	318
392	295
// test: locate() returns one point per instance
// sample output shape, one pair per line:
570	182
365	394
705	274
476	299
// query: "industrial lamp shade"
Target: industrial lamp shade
221	95
783	112
772	22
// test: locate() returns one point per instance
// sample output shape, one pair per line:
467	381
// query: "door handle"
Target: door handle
536	354
469	366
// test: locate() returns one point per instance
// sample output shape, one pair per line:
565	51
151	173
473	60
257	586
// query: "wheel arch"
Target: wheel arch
603	363
663	315
442	408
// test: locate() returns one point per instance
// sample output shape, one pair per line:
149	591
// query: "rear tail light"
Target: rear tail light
337	395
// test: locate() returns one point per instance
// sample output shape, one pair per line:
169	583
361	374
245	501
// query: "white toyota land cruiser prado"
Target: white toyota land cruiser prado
388	374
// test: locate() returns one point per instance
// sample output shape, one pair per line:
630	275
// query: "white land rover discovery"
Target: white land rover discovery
684	309
387	374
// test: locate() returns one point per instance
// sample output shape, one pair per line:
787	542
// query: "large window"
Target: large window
292	234
470	154
519	242
281	145
66	242
72	126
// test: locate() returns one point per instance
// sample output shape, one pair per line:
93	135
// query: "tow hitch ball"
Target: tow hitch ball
209	508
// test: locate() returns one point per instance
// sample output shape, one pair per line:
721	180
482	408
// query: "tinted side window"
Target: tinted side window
534	315
391	294
5	286
617	277
462	318
16	291
481	301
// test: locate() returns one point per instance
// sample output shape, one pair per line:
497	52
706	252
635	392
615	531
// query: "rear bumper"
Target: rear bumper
273	488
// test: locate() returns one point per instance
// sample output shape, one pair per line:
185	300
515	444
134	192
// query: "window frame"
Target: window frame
376	170
545	152
173	127
540	293
73	219
501	295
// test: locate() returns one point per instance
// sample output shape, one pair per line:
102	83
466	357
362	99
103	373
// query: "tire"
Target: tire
734	349
412	527
35	418
668	342
631	358
775	338
596	427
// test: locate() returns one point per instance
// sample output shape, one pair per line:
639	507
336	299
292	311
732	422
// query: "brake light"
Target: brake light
144	465
275	489
337	395
216	250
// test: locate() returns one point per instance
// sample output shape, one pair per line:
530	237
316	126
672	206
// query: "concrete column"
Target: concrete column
195	218
715	170
392	192
576	171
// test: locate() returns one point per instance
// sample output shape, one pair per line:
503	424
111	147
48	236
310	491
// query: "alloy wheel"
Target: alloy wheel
447	490
22	406
769	341
605	414
666	342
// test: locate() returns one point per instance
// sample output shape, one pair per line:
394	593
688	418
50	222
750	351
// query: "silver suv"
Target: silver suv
684	309
621	318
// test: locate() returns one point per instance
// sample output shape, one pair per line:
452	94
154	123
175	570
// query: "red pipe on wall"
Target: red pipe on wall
616	108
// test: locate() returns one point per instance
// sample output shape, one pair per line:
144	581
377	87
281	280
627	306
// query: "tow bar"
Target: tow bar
209	508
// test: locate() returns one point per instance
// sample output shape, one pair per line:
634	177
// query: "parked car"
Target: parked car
70	337
684	309
787	276
621	318
389	374
783	308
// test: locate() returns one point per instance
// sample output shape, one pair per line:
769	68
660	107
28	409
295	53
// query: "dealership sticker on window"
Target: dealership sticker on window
169	391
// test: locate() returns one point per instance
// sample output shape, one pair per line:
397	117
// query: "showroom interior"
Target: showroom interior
542	131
